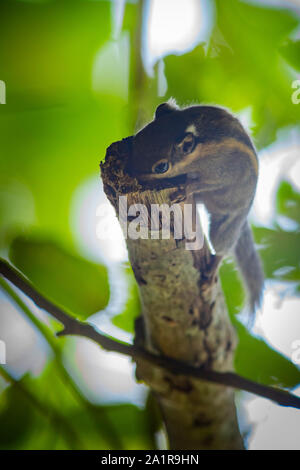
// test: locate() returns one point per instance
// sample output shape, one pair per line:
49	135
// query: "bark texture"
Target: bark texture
184	317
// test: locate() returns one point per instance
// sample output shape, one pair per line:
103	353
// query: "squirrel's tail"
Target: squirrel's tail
250	266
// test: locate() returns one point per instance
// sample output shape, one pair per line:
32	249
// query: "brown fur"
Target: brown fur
211	148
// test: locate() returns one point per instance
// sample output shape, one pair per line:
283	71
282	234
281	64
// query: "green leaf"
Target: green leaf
232	288
291	52
280	252
28	422
16	418
288	201
256	360
69	280
25	426
88	421
134	426
280	248
132	309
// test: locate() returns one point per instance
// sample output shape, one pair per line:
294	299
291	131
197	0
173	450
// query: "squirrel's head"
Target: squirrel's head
154	146
173	142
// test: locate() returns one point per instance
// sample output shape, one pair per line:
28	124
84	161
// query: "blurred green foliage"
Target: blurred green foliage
34	415
73	87
241	67
132	308
280	254
78	285
54	128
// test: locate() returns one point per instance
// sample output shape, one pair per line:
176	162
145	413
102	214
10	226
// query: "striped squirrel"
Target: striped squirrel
211	148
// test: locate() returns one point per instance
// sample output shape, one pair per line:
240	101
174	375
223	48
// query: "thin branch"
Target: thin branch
74	327
25	286
62	371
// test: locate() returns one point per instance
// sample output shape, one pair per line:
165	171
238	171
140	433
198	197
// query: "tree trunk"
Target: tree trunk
184	317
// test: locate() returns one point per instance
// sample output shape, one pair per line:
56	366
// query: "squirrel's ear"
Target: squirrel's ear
165	108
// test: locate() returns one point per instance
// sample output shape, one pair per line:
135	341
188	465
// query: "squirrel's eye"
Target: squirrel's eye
161	167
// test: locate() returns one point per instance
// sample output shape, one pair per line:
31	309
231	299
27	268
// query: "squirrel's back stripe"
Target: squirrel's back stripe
227	144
